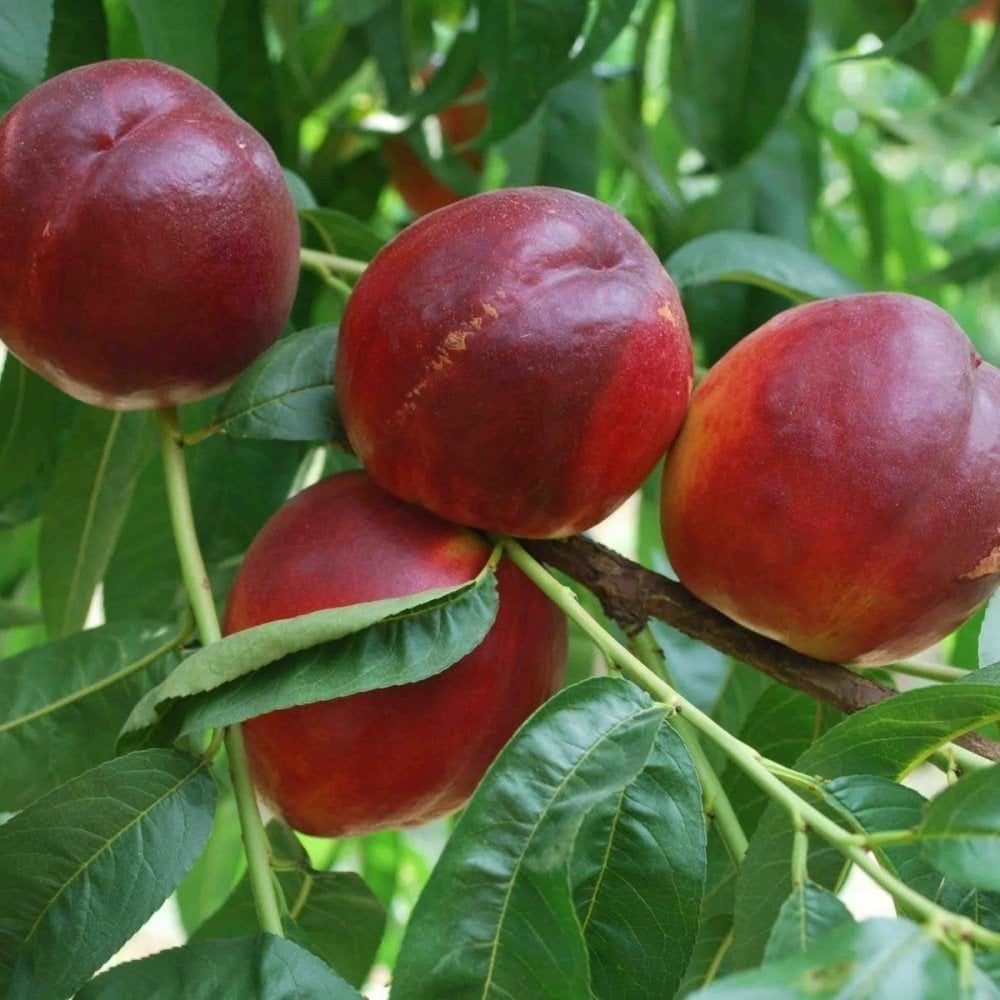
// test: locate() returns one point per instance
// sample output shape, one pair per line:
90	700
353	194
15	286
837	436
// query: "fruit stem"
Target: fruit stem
805	817
715	801
199	593
331	261
800	853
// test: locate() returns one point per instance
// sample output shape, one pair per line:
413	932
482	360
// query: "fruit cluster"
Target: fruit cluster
517	363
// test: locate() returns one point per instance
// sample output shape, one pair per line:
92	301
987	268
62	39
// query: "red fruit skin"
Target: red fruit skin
517	361
836	484
986	10
148	241
402	755
460	123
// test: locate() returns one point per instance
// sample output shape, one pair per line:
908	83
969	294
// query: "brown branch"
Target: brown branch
631	594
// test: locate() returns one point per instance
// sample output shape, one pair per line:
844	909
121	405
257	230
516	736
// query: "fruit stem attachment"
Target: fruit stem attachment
805	816
199	593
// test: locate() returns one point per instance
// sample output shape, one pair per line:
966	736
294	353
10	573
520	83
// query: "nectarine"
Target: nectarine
148	240
517	361
400	755
836	484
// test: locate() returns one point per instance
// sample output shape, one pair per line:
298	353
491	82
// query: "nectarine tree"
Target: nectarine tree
336	678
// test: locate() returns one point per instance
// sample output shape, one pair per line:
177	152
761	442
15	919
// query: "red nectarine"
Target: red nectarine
836	484
148	241
517	361
400	755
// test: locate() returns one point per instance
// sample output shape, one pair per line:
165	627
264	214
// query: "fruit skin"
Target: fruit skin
517	361
986	10
460	123
402	755
148	241
836	484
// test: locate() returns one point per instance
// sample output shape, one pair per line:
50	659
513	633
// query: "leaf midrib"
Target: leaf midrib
106	846
505	905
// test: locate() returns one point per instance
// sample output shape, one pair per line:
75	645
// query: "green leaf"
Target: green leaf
88	499
79	35
920	24
710	952
872	805
638	872
246	79
334	914
218	869
65	701
497	917
869	188
733	64
894	736
24	41
721	687
420	643
84	867
237	969
781	726
356	11
385	32
974	264
609	19
886	740
287	393
244	652
808	914
756	259
960	834
236	486
15	615
181	33
526	48
343	234
32	415
786	174
866	961
571	118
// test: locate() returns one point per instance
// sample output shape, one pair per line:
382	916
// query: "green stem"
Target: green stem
715	801
803	813
924	669
800	854
331	261
884	838
199	594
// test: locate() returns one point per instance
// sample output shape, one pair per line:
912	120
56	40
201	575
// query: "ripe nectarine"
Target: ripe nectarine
148	241
517	361
836	484
399	755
